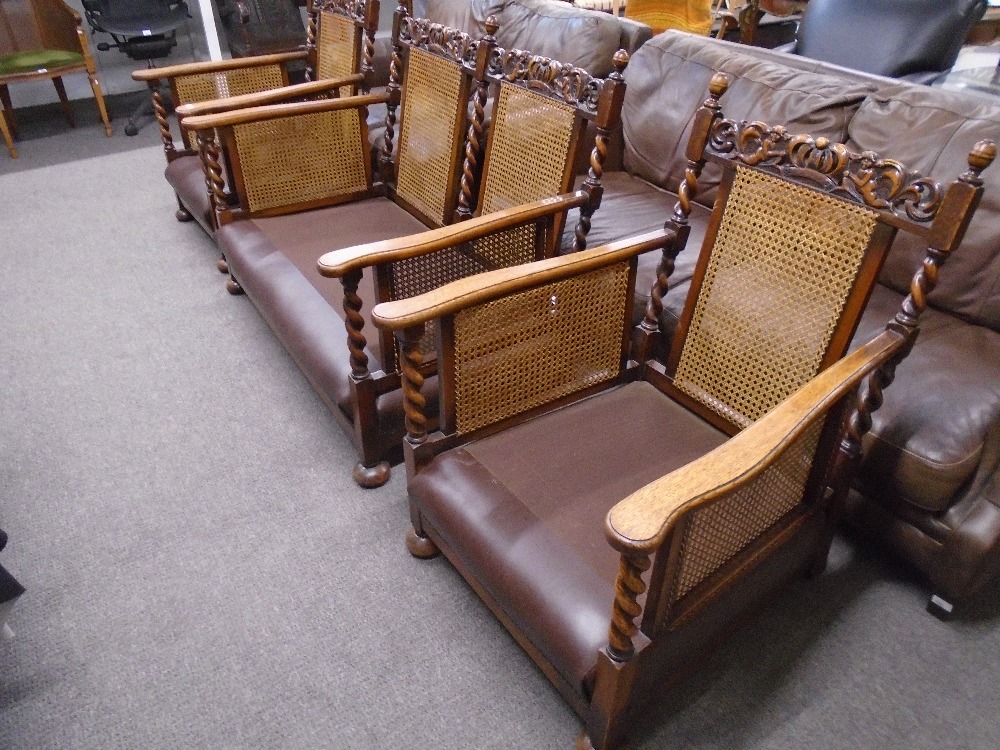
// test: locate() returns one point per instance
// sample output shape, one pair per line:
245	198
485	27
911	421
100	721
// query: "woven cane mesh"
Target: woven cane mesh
335	48
204	87
719	531
525	350
529	148
425	273
293	160
784	262
430	111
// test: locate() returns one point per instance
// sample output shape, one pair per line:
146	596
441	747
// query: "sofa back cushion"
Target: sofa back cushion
668	80
932	131
584	38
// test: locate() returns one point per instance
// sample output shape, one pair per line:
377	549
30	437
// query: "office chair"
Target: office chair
144	30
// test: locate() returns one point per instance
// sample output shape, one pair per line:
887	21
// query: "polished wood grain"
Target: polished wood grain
215	66
263	98
275	111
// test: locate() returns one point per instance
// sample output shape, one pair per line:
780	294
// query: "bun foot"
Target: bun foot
420	546
183	215
370	477
222	264
233	286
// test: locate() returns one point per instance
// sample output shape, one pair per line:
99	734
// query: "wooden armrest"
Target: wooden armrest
642	521
262	98
338	263
484	287
216	66
274	111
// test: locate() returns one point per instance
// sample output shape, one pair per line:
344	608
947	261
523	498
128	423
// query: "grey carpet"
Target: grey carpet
45	138
203	573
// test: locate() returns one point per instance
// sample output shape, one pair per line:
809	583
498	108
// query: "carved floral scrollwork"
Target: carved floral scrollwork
454	44
353	8
864	177
559	80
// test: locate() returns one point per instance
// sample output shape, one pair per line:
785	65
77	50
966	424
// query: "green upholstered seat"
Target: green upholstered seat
40	59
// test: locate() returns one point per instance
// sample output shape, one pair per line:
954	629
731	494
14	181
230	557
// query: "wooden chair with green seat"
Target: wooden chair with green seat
43	39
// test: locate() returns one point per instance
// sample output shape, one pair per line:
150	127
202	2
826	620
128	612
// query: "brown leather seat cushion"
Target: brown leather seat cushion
275	260
524	510
186	177
928	437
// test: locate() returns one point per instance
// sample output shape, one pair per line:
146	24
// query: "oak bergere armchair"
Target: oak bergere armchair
338	57
43	39
716	478
272	233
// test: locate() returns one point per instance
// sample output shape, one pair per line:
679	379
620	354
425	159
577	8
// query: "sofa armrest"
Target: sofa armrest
339	263
273	111
642	521
263	98
216	66
486	287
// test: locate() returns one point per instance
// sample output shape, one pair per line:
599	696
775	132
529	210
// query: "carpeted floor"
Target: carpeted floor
203	573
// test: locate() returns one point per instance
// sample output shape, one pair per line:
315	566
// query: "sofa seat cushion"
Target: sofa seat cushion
928	438
275	260
532	531
668	81
940	130
186	176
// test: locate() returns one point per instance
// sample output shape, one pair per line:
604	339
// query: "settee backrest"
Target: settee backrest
584	38
930	129
667	78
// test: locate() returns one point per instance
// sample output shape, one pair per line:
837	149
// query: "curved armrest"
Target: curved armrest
485	287
339	263
216	66
274	111
262	98
642	521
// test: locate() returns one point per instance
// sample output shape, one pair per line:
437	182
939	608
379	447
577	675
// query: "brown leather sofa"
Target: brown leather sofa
930	482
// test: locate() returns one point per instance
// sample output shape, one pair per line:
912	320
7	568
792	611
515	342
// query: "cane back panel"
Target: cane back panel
530	141
429	119
784	262
203	87
413	276
525	350
718	531
293	160
337	46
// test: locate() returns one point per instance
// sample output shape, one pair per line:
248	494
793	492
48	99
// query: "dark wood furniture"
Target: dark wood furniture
43	39
441	170
338	57
717	477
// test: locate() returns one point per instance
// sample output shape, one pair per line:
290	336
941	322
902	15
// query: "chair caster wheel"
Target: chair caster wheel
420	546
131	129
370	477
183	215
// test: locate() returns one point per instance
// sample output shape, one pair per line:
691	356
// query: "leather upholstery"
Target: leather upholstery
493	509
185	176
585	38
889	37
931	474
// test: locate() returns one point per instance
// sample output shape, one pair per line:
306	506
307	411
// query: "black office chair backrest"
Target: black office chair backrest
893	38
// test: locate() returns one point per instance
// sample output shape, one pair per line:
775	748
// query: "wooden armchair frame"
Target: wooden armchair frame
701	547
50	25
338	55
490	229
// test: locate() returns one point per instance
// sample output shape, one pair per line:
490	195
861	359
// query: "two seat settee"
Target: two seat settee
930	481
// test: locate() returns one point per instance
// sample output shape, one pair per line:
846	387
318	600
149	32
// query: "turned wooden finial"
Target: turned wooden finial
620	61
981	156
492	25
718	85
